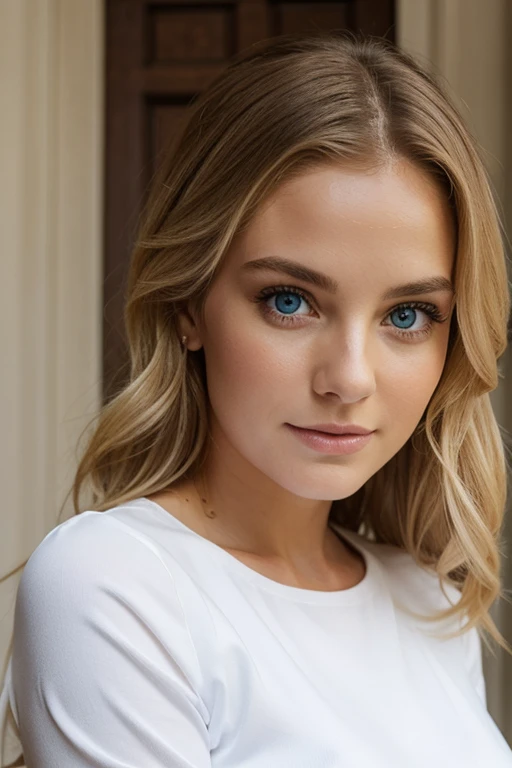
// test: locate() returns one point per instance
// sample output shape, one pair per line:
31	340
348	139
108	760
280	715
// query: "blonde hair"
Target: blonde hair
279	108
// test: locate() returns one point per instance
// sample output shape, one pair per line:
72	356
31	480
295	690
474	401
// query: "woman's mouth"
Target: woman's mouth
324	442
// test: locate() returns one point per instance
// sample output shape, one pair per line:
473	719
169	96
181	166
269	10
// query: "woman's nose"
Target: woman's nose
346	369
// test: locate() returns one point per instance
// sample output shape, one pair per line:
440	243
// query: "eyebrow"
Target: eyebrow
318	279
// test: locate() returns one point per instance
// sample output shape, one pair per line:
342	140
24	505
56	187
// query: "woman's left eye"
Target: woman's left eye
289	299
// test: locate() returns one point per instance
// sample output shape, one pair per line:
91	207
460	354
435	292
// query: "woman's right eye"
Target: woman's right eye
287	301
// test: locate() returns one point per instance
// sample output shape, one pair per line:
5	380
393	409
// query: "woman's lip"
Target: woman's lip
323	442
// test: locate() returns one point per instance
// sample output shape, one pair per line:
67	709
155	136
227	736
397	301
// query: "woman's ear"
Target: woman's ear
188	326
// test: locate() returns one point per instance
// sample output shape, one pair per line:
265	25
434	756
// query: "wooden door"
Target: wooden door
160	54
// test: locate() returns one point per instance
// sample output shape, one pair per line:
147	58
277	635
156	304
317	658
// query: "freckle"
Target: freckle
186	499
203	499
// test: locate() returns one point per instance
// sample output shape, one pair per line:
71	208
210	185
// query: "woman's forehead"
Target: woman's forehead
332	215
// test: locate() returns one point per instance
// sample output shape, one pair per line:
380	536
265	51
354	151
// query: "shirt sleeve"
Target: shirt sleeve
104	670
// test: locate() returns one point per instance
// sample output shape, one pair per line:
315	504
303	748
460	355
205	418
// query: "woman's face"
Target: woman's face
281	350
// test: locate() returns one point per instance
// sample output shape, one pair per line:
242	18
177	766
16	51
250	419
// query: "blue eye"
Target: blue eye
405	315
290	303
289	299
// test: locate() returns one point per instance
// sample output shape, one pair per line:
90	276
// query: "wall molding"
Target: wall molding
51	203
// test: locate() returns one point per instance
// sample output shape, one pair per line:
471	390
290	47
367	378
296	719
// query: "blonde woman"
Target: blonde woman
294	542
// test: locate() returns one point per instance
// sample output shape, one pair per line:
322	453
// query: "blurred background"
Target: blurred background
92	91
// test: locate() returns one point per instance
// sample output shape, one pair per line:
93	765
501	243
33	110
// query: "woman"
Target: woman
322	255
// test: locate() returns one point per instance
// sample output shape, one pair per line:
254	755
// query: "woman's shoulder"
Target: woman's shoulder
96	550
124	554
82	535
98	612
96	566
412	582
117	528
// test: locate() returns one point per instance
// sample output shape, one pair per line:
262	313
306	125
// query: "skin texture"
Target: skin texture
343	360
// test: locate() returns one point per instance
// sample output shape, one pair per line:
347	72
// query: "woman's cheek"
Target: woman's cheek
411	386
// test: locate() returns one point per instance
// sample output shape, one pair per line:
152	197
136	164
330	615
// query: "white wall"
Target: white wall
51	131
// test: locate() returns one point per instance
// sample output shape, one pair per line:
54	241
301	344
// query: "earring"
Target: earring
183	342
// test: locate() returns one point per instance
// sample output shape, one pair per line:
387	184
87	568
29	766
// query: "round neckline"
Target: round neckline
353	594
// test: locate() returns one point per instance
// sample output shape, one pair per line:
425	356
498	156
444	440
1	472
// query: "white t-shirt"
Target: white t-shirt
140	644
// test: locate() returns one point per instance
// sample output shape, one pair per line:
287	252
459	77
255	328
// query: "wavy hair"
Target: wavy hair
278	109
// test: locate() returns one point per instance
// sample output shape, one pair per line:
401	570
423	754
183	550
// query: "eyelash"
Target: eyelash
430	309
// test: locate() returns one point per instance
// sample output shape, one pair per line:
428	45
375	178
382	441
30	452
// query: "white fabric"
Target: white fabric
140	644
